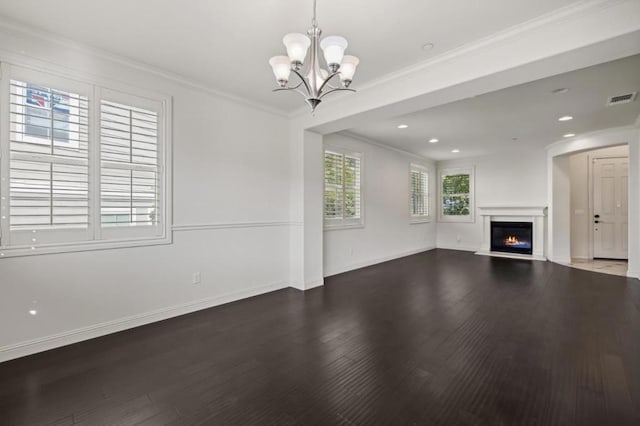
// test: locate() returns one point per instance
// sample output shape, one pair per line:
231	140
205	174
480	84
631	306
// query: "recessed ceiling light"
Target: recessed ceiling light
560	91
403	126
33	312
565	118
455	151
427	46
569	135
434	140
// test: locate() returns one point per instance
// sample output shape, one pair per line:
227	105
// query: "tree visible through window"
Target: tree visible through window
341	187
455	195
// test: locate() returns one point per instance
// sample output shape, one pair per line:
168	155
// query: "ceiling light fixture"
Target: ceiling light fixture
565	118
314	81
427	46
455	151
434	140
403	126
569	135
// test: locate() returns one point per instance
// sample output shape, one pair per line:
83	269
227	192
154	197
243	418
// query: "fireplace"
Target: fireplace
512	237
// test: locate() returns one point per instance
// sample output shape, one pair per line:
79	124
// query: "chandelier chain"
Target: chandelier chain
315	8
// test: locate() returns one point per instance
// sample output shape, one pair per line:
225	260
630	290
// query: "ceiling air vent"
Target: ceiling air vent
621	99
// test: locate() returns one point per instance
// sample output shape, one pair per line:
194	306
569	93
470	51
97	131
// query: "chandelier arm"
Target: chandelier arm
291	89
303	81
277	89
338	89
326	81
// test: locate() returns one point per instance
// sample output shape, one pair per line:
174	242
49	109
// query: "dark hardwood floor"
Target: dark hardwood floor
439	338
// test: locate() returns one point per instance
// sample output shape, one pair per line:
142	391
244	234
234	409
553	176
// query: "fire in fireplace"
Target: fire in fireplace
512	237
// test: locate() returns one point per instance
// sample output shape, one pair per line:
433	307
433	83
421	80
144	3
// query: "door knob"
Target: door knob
596	221
597	216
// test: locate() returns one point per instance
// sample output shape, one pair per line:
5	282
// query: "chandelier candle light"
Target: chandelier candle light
314	81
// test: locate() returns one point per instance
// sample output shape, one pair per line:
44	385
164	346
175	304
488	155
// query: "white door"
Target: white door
610	210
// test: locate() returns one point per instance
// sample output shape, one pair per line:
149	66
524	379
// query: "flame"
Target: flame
511	241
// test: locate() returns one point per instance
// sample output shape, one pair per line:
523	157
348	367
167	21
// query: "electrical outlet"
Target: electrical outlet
459	238
197	278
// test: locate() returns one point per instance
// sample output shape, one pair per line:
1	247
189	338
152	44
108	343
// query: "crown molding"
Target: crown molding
384	146
24	30
573	11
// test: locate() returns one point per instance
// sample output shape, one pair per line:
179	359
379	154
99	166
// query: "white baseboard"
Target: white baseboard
632	274
459	247
357	265
307	285
74	336
511	255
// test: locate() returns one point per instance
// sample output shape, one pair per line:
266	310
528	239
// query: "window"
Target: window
419	200
72	182
342	188
456	195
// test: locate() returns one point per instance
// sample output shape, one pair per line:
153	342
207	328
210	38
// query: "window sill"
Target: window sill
339	227
418	220
456	219
20	251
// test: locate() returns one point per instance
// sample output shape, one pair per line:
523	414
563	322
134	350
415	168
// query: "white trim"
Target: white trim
232	225
631	274
41	344
384	146
511	255
308	285
365	263
77	246
462	247
25	30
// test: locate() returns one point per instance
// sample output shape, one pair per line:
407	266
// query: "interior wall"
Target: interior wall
387	231
509	179
581	196
230	210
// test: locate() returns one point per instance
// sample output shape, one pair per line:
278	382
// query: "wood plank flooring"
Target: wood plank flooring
438	338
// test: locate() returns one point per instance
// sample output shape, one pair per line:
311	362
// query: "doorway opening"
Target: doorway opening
600	209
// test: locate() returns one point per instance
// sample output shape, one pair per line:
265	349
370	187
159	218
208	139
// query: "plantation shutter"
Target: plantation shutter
333	185
342	188
129	167
48	163
351	187
419	192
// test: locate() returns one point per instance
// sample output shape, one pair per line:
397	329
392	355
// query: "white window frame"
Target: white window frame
457	171
415	167
95	237
343	223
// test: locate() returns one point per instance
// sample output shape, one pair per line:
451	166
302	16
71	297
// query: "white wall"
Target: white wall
387	233
581	219
510	179
230	202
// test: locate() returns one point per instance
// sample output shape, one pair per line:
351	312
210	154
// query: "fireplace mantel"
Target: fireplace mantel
506	213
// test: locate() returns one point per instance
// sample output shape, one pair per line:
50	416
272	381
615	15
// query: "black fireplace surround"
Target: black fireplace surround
512	237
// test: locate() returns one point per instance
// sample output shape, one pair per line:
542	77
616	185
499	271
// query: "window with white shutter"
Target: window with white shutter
419	196
130	192
82	166
342	188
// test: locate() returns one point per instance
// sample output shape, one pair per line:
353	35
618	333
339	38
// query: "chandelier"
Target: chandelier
315	82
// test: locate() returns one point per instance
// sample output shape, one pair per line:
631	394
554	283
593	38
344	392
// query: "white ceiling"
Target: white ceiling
225	44
486	124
